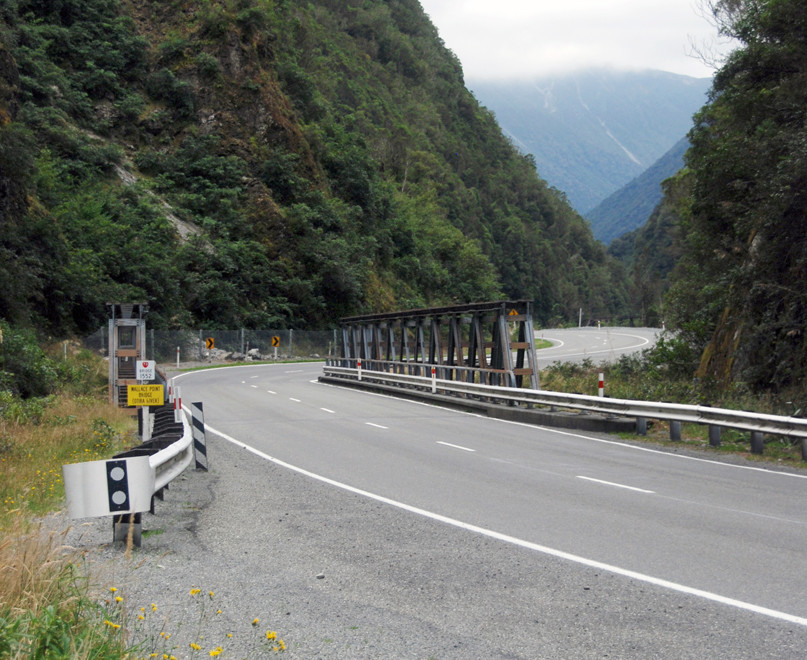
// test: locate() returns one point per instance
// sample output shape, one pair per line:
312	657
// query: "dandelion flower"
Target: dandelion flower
113	589
210	593
256	621
118	599
195	591
216	651
195	646
271	634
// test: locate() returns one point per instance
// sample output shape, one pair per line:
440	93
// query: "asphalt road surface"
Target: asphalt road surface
531	541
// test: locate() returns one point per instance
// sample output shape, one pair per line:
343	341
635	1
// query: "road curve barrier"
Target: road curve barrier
757	424
126	485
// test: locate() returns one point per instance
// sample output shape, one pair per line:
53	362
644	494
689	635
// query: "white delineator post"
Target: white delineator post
177	357
601	386
434	380
358	367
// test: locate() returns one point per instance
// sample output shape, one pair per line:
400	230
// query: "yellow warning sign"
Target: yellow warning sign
144	395
275	341
210	344
513	312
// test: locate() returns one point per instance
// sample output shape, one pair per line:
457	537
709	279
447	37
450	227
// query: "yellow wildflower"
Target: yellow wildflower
216	651
195	646
118	599
270	634
195	591
256	621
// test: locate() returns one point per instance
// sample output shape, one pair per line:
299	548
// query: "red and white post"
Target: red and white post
601	386
434	380
358	367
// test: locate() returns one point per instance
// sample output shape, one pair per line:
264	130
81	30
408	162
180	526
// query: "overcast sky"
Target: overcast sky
522	38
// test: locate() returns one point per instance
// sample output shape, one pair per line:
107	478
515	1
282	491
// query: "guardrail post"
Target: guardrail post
641	425
714	435
757	444
675	431
199	435
804	449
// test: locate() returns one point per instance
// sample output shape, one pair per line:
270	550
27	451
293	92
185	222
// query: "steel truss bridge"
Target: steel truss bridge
491	343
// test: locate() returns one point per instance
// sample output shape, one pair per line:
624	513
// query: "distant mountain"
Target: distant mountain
591	132
630	206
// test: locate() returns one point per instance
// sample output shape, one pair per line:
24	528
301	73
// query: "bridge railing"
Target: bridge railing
757	424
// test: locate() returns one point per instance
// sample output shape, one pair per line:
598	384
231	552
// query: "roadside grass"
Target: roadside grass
46	607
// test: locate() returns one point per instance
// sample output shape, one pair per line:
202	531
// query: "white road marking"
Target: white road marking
611	483
251	377
291	398
328	410
560	554
378	426
271	392
448	444
254	386
295	371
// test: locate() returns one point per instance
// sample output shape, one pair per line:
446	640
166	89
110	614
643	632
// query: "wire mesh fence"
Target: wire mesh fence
183	346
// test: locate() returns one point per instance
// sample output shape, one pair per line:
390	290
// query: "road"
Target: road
702	556
596	344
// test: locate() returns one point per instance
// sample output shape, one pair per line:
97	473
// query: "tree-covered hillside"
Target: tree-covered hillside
740	294
264	163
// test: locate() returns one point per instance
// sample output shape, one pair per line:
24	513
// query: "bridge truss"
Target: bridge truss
491	343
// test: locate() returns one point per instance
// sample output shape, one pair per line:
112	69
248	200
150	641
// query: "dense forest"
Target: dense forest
726	249
265	163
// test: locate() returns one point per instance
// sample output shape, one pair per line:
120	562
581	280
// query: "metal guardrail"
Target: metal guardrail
756	423
125	485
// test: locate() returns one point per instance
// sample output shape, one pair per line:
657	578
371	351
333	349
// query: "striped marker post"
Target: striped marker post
199	436
601	386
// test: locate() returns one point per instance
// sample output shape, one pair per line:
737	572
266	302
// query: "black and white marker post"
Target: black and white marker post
199	438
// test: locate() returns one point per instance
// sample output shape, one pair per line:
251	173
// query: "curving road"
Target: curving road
663	555
596	344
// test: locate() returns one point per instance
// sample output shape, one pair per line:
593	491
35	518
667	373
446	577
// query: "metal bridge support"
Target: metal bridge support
492	343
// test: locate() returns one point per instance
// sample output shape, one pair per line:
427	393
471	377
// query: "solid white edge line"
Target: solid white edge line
560	554
611	483
448	444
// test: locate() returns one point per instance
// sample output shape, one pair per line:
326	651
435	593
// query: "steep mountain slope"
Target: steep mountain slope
629	207
255	163
593	131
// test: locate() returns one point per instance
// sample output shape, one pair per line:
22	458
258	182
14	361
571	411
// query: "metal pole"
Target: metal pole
291	342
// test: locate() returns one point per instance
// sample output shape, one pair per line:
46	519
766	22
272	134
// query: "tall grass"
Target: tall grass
46	610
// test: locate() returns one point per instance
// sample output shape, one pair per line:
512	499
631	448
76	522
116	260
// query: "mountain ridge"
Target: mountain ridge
593	131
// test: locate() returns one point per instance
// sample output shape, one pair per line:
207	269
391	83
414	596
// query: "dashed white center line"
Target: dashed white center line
253	377
254	387
291	398
271	392
611	483
448	444
295	371
378	426
328	410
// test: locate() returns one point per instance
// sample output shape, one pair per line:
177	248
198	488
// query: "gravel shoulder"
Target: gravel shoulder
336	575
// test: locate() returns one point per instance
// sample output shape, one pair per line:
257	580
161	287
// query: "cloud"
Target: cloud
524	38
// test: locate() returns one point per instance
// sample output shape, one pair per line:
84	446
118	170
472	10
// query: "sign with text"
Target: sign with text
145	369
144	395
